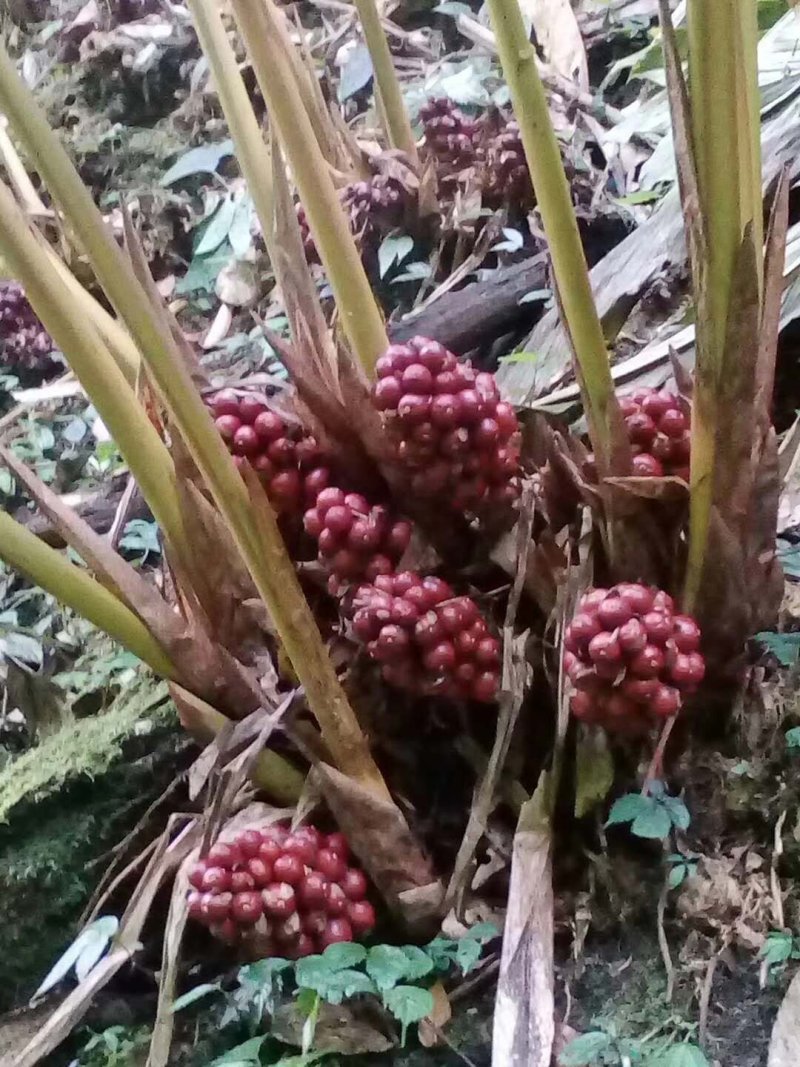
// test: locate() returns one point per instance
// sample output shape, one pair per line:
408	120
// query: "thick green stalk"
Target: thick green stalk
361	319
518	59
251	151
723	84
398	124
101	377
76	588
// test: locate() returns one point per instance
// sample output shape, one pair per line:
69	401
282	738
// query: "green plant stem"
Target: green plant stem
398	124
74	587
361	319
518	59
252	152
723	84
101	377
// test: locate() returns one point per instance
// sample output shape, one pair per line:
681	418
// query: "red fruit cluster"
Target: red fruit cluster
357	541
427	639
450	135
506	176
449	427
293	891
289	462
374	206
658	429
629	657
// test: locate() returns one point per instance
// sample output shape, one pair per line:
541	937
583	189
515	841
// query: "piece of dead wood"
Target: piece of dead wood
784	1046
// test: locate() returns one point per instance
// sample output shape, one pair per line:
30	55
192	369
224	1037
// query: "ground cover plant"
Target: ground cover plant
474	646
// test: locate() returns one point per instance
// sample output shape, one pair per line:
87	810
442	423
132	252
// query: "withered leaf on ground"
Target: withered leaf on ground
351	1028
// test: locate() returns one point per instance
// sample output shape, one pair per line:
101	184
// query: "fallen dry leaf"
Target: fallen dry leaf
559	37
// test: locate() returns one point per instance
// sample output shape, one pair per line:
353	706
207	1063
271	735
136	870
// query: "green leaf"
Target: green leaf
203	271
356	72
442	950
217	229
468	953
263	971
345	954
585	1050
387	965
195	994
394	249
408	1004
628	808
482	932
642	196
678	812
784	647
454	8
201	160
777	948
594	770
677	875
654	825
793	737
419	962
313	970
682	1056
245	1055
91	942
345	984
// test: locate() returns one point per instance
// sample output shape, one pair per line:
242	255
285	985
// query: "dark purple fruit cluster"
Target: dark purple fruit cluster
25	345
289	462
658	428
357	541
450	136
374	206
293	891
506	178
427	639
450	429
630	658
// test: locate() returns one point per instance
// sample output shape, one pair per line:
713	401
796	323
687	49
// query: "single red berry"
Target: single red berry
445	411
638	597
338	519
312	890
218	907
336	931
269	850
331	864
486	434
247	908
641	428
639	690
646	465
354	883
591	601
365	536
403	612
241	881
417	379
250	407
228	426
224	854
656	404
582	706
686	633
290	866
487	652
391	644
260	872
387	394
440	658
329	498
666	702
312	522
194	902
581	630
648	663
485	687
249	842
362	917
414	409
279	900
216	879
335	899
604	648
302	847
613	612
197	873
632	636
687	670
659	626
506	419
269	427
337	842
672	423
437	589
663	602
286	487
315	481
225	402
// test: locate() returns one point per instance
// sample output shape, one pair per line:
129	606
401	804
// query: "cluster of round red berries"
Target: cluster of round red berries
449	427
374	206
293	891
289	462
356	540
427	639
630	657
506	178
450	135
659	431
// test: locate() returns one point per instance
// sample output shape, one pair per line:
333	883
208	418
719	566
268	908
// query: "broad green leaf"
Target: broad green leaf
594	770
654	824
793	737
201	160
468	953
263	970
198	993
387	965
394	249
628	808
408	1004
356	72
245	1055
777	948
345	984
93	940
442	950
419	962
454	8
313	970
217	228
585	1050
203	271
678	812
482	932
345	954
682	1056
